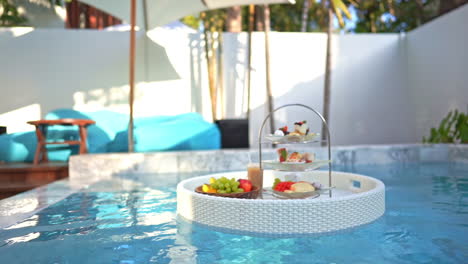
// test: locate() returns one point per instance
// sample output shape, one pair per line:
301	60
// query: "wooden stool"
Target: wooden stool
41	126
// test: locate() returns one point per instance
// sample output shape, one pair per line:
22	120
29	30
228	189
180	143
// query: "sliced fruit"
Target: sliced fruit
302	187
208	189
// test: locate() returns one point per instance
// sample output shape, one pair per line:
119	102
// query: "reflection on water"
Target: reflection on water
425	222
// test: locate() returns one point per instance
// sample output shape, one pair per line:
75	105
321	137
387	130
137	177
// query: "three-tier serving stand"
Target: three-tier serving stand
325	125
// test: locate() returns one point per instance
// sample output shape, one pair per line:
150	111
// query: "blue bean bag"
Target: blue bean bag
165	133
108	124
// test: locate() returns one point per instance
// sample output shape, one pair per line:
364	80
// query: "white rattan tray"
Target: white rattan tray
356	200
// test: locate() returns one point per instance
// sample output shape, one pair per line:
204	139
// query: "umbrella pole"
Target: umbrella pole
266	25
132	73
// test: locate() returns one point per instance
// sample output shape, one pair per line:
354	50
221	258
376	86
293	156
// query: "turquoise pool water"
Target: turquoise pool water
426	221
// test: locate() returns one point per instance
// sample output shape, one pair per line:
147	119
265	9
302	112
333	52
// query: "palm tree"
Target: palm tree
335	7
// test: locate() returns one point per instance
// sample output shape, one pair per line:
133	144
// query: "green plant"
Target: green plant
452	129
9	15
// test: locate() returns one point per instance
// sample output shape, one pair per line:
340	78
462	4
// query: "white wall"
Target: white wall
438	68
88	70
369	93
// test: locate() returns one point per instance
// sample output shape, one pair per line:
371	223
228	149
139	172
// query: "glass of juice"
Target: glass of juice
255	175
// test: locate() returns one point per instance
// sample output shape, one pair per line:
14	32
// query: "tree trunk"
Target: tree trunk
259	18
266	23
234	19
420	7
210	55
220	72
326	88
305	16
249	60
445	6
132	73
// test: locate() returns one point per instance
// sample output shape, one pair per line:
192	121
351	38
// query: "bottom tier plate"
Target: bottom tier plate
356	200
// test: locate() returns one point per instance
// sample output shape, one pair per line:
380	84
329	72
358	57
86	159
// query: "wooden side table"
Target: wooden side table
41	126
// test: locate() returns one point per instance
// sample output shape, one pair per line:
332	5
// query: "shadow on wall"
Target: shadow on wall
236	53
196	71
54	65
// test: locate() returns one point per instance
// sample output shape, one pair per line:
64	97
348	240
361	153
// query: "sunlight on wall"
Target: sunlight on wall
20	31
296	59
61	12
151	98
15	120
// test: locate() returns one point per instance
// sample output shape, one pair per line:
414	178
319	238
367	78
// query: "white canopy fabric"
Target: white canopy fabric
154	13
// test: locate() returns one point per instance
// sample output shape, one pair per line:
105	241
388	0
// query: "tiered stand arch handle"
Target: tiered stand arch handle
324	122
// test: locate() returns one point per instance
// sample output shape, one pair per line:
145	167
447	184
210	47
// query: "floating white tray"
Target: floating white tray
356	200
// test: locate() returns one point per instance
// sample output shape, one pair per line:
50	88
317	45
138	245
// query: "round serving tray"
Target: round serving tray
356	200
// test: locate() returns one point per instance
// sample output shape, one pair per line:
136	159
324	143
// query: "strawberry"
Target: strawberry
283	154
284	129
245	184
283	186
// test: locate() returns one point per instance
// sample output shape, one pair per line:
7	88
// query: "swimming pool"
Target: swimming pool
130	218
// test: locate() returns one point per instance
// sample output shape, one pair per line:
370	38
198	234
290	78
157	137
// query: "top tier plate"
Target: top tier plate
309	138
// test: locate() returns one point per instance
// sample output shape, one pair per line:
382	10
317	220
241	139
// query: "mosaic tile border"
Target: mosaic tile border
104	166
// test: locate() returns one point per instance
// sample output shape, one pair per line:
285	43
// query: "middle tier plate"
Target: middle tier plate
295	166
312	137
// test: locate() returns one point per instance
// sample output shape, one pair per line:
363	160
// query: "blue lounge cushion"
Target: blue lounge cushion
158	133
21	147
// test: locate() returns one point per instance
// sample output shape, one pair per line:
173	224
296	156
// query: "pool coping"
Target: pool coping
103	166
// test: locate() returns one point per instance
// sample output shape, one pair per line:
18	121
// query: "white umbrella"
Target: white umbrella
154	13
149	14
